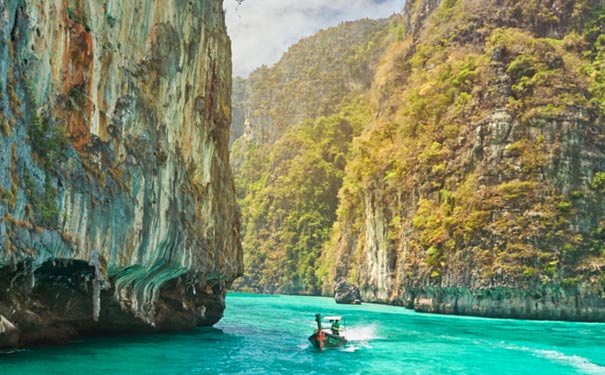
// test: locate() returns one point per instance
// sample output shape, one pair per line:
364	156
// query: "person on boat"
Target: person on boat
335	327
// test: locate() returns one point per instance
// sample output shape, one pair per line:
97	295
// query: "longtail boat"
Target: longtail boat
328	337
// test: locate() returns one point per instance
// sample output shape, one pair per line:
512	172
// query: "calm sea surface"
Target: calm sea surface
268	335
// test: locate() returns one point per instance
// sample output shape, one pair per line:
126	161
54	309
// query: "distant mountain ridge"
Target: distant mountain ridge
310	80
274	110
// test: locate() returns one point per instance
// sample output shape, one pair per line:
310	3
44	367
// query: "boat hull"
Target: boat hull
329	341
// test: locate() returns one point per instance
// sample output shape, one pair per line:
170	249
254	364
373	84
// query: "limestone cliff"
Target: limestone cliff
298	119
116	195
478	188
239	99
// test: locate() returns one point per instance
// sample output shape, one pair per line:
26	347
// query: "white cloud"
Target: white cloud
262	30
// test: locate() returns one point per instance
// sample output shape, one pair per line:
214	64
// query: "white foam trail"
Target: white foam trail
364	333
579	363
349	348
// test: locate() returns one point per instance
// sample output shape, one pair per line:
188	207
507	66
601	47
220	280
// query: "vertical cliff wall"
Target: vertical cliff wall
116	195
478	189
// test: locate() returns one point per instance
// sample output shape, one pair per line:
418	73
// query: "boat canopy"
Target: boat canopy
333	318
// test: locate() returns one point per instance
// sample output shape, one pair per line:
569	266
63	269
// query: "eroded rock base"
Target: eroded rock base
548	303
54	303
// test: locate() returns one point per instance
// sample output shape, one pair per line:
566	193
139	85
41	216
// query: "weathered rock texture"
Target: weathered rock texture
116	195
476	184
478	189
239	98
347	293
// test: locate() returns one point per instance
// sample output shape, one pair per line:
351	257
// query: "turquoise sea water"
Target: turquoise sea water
268	335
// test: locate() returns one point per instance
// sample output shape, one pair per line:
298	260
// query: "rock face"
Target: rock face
297	120
475	183
239	99
116	195
478	189
9	334
347	293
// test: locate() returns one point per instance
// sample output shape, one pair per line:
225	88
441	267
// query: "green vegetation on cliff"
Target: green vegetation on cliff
479	177
288	193
483	166
300	117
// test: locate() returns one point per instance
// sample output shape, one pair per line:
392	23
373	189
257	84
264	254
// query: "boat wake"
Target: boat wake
365	333
350	348
360	337
579	363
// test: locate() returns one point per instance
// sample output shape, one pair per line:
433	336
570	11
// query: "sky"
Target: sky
262	30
